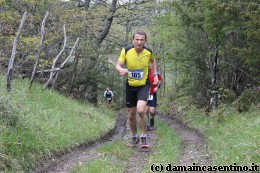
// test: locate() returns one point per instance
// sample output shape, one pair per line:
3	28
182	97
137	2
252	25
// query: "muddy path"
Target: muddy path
194	146
194	149
64	162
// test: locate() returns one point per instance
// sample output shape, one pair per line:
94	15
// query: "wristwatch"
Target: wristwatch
155	73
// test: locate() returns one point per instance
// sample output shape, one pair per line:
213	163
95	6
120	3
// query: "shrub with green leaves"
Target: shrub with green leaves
246	99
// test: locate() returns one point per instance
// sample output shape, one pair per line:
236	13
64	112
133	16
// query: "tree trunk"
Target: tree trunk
11	62
214	92
40	49
98	40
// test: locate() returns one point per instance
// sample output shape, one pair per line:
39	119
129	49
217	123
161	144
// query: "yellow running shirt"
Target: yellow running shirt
137	66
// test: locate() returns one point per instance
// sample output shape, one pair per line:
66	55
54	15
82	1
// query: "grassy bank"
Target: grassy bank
232	131
37	122
232	137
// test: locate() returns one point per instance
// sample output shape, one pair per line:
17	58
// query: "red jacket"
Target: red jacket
151	77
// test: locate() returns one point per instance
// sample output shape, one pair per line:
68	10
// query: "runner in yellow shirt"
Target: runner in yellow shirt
137	58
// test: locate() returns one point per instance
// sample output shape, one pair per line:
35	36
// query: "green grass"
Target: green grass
44	122
166	151
168	148
117	148
112	158
232	137
102	165
36	122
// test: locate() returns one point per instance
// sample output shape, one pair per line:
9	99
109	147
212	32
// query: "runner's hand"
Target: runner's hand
156	80
123	71
155	89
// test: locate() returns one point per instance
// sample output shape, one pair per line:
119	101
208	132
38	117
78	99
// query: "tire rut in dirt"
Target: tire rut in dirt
139	158
194	146
63	163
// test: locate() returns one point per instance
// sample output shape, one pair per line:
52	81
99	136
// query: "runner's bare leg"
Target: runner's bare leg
152	111
141	110
132	120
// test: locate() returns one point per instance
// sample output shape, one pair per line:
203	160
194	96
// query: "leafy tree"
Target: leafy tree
199	34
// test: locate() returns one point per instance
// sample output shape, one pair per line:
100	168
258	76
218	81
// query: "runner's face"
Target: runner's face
139	41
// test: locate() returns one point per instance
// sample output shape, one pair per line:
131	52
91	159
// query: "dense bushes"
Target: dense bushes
246	99
8	112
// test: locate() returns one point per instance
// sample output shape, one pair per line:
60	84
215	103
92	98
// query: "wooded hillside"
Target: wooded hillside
207	50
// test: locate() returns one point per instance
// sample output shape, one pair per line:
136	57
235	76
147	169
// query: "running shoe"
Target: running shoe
148	128
144	142
134	142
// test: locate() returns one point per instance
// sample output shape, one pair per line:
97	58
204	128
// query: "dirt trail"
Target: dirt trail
194	149
139	158
85	153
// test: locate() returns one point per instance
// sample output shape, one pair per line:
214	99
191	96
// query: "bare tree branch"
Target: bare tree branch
55	60
40	49
241	71
214	91
11	62
108	23
49	70
64	62
72	50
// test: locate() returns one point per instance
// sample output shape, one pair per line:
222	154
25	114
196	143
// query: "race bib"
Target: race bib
150	97
109	98
136	74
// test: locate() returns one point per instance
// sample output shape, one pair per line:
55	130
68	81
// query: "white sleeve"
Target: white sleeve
105	94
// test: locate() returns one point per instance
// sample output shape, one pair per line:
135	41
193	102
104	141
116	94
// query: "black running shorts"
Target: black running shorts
133	94
152	100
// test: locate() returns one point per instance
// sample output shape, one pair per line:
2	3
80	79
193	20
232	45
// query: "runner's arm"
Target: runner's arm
154	67
119	68
112	95
160	81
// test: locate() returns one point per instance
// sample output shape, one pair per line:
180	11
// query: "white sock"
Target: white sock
143	135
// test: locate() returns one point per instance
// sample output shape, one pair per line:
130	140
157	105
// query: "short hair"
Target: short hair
140	32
